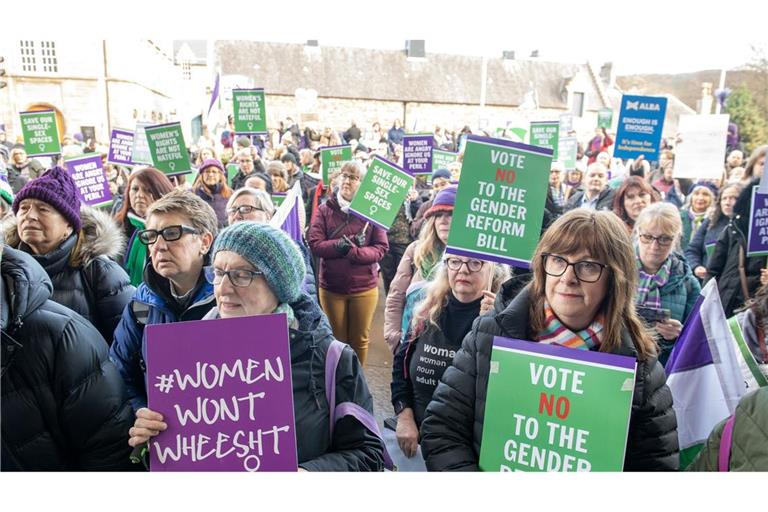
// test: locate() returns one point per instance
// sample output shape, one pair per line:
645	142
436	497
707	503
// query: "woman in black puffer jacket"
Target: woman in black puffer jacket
598	301
64	405
77	246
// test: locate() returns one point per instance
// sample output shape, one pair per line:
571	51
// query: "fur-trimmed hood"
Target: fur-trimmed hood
100	236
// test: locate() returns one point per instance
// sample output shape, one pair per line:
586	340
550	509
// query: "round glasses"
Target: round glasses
169	234
586	271
239	277
455	264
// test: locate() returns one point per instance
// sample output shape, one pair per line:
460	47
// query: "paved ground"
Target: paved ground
378	368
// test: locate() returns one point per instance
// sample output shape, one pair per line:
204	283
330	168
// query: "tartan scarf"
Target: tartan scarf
696	220
648	294
556	333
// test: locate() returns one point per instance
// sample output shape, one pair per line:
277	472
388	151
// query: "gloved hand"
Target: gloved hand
343	245
359	239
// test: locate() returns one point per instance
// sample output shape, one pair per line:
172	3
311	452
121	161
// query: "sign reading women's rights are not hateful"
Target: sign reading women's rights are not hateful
250	117
166	145
500	203
224	390
569	411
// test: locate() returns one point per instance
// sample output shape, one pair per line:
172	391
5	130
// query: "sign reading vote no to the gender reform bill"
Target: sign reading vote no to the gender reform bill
552	408
224	389
500	203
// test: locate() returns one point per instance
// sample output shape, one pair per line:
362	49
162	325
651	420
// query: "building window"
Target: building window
186	70
48	53
577	107
28	59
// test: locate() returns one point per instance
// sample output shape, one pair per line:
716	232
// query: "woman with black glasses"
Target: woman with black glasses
580	296
667	289
180	230
453	301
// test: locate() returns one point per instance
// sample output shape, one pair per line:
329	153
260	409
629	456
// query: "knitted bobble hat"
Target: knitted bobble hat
444	201
57	189
271	251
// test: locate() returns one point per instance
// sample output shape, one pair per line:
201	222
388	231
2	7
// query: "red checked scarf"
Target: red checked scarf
555	332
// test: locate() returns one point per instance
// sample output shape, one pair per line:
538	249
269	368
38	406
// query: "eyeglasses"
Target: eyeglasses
586	271
455	264
350	177
169	234
243	210
663	240
239	277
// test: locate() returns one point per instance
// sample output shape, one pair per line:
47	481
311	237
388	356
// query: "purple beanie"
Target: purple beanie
56	188
212	162
444	201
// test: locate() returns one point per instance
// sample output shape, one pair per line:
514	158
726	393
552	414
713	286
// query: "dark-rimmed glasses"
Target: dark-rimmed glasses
663	240
169	233
585	271
243	209
239	277
455	264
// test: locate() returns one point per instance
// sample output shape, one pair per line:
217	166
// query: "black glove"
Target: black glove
343	245
359	239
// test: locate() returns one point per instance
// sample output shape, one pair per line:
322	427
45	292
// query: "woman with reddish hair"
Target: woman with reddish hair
631	197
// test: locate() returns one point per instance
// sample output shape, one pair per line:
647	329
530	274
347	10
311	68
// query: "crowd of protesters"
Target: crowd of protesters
628	245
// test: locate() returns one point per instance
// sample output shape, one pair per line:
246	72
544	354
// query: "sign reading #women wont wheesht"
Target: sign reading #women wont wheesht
569	411
224	389
500	201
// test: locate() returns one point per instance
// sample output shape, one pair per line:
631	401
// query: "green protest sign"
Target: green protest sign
166	145
568	147
278	199
332	158
41	136
442	159
569	409
232	170
604	118
249	111
381	193
140	150
500	203
545	134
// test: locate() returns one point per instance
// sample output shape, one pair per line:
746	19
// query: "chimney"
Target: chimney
312	42
607	75
535	54
415	49
705	104
508	55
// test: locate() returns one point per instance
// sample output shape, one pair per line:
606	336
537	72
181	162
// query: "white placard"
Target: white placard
701	152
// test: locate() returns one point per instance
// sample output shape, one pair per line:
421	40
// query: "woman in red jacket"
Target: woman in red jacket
349	250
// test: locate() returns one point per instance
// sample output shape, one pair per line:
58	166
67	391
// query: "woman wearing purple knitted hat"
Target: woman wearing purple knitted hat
76	245
211	186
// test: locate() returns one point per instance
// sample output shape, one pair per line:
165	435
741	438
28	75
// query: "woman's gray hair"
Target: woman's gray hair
200	214
357	166
260	198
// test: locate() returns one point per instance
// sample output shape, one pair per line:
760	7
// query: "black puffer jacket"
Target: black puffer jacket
354	447
85	276
64	405
453	427
724	263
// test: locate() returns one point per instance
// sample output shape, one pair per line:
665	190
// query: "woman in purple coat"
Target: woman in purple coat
349	250
211	186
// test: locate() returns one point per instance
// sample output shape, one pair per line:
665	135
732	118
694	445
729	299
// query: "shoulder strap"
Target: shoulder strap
338	230
724	456
743	274
347	408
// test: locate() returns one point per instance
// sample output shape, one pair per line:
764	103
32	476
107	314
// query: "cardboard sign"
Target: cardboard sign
382	192
332	158
250	115
166	145
500	202
566	124
224	389
41	135
758	224
88	174
605	118
545	134
640	123
417	154
120	147
552	408
568	148
700	153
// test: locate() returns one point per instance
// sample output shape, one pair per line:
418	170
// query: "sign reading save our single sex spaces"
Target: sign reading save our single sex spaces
41	136
224	390
552	408
500	203
381	193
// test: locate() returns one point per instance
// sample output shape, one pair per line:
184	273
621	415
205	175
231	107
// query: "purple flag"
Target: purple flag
288	215
224	389
215	94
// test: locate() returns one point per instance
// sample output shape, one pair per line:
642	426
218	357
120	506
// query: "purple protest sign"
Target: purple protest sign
120	147
88	174
758	224
224	389
417	154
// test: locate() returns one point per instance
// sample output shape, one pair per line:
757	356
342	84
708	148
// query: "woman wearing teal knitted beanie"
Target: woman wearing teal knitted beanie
257	270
